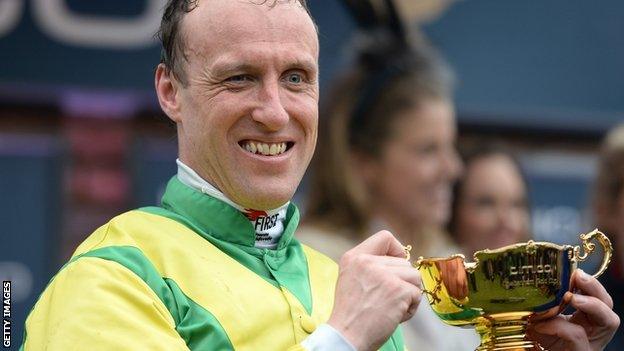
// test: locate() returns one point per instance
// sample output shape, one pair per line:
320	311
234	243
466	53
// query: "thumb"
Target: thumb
382	243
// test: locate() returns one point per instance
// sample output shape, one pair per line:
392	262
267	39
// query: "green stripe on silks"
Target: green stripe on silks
231	232
197	326
237	252
395	343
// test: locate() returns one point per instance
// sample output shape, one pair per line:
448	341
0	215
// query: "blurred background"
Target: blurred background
82	137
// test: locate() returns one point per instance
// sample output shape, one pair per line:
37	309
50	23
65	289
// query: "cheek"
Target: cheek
301	105
424	171
477	221
521	220
306	115
403	182
305	119
411	171
222	109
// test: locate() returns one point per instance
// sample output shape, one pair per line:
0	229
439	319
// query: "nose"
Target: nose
503	214
270	111
508	219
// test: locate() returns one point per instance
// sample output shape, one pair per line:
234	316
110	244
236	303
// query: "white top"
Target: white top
425	331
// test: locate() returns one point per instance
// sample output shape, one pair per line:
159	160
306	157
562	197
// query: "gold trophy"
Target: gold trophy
503	289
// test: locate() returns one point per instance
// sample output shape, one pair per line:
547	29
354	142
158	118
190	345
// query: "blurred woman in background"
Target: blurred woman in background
490	205
609	215
387	160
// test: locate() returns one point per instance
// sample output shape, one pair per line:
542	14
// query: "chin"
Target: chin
267	198
440	217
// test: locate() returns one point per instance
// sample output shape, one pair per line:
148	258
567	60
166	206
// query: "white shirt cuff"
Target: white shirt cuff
326	338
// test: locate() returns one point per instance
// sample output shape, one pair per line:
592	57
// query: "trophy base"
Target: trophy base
505	332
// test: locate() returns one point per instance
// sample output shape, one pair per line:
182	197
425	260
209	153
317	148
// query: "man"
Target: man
216	267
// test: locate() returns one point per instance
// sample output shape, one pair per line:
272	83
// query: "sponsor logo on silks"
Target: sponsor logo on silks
253	215
262	220
266	223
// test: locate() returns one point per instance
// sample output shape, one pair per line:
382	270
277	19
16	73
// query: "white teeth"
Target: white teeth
264	148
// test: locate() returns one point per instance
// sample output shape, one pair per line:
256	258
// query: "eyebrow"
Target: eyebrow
233	66
230	67
307	65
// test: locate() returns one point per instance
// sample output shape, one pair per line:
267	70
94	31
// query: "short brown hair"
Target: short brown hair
169	32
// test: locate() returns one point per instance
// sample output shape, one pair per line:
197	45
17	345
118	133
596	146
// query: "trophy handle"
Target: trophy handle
408	252
434	293
588	248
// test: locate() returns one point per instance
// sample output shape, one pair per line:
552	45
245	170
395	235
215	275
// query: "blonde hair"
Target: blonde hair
609	185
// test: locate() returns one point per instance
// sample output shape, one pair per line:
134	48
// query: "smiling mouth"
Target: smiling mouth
265	149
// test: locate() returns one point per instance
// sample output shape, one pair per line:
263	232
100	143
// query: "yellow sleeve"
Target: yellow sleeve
97	304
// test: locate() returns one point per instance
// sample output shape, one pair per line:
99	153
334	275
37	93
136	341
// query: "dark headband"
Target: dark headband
384	70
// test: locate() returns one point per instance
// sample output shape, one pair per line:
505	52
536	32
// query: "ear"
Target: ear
167	92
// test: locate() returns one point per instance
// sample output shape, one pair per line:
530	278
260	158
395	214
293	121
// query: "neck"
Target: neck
426	238
189	177
268	225
407	231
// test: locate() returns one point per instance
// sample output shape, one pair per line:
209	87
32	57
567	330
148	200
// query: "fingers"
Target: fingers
593	323
416	296
407	274
572	334
597	311
413	286
382	255
391	261
384	266
382	243
592	287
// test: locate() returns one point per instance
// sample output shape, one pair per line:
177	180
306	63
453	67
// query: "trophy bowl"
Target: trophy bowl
504	289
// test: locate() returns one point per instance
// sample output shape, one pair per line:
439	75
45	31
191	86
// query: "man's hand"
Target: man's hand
591	327
377	289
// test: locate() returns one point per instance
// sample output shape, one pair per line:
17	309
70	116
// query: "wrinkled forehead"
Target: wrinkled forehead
219	23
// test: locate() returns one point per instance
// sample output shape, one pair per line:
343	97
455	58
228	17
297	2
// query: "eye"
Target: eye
485	202
241	78
294	78
427	149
